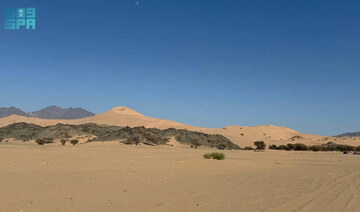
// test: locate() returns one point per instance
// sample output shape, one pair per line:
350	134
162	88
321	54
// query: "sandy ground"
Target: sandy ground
240	135
115	177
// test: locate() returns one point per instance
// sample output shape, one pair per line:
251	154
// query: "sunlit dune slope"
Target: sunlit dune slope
240	135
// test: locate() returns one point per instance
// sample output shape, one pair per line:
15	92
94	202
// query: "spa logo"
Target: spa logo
20	18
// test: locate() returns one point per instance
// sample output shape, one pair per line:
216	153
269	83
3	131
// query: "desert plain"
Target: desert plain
118	177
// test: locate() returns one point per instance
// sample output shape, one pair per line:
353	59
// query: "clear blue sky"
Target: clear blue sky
205	63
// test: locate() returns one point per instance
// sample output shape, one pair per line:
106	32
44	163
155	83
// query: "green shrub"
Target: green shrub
214	155
284	147
273	147
343	148
300	147
324	147
207	156
291	146
247	148
260	145
315	148
74	141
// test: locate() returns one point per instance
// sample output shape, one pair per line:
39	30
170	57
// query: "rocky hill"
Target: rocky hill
240	135
127	135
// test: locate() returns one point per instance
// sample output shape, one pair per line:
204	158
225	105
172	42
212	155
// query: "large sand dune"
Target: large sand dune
240	135
115	177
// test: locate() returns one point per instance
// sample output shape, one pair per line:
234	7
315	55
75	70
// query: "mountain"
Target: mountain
4	112
54	112
240	135
350	134
126	135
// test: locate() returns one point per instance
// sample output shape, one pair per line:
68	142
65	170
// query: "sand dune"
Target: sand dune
118	116
240	135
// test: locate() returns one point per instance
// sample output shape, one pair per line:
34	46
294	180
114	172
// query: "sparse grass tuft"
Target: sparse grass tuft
207	156
215	155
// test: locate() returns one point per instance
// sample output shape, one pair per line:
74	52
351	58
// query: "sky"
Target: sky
207	63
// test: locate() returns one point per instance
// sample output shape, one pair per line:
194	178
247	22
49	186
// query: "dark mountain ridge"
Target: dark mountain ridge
349	134
51	112
55	112
127	135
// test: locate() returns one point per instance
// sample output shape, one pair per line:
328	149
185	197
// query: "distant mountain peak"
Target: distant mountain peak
5	112
56	112
349	134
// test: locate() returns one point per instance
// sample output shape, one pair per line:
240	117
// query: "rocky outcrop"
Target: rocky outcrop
127	135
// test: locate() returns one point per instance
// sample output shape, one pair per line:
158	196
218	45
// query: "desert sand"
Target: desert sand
240	135
116	177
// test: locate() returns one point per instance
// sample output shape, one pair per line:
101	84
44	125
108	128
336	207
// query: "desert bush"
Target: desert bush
315	148
327	148
247	148
273	146
42	141
74	141
291	146
324	147
63	141
300	147
342	148
260	145
284	147
207	156
214	155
